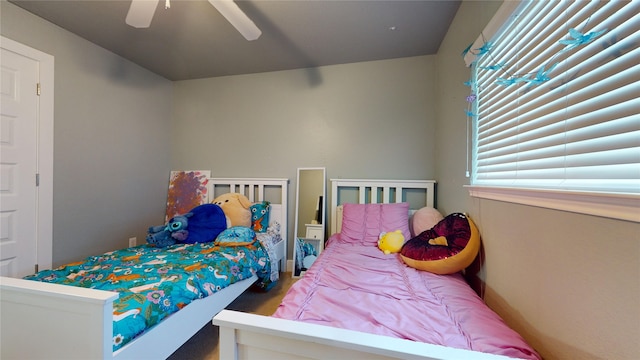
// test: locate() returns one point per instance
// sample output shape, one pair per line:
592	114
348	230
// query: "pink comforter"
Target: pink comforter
359	288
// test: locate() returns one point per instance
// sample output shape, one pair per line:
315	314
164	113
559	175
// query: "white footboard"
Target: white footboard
50	321
250	336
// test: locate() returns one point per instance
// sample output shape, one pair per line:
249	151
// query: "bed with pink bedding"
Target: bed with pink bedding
357	302
356	286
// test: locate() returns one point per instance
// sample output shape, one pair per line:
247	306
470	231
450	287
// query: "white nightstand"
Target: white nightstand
315	236
314	231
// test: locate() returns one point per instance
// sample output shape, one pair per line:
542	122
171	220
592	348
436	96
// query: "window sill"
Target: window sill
610	205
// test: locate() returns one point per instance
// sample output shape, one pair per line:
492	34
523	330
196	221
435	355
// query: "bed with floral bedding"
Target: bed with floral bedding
144	301
154	282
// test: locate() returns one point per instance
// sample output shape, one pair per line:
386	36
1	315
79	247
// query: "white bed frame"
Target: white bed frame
50	321
250	336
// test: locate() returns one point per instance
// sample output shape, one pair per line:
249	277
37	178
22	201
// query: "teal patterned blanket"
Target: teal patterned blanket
153	283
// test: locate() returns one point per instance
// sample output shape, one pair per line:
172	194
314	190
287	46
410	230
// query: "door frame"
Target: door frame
44	163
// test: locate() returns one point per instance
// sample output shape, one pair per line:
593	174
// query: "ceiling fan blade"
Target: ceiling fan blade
237	18
141	13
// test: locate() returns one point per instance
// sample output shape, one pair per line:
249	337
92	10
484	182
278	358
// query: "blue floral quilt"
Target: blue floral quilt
153	283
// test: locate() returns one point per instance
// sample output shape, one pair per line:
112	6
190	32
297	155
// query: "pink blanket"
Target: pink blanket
357	287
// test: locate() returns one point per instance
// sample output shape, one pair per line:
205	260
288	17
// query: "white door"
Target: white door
20	238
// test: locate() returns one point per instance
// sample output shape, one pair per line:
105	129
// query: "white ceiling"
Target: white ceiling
192	40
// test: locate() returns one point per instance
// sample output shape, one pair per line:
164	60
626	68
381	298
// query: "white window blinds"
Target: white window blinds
557	98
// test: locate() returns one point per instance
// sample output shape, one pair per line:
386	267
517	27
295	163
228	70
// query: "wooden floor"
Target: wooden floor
204	344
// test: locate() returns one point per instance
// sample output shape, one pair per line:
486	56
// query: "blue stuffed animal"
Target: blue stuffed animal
167	235
204	223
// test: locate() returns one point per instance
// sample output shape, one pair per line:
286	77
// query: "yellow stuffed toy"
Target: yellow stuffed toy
391	242
236	208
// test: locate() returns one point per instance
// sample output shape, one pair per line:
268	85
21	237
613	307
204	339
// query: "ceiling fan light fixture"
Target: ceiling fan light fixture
237	18
141	13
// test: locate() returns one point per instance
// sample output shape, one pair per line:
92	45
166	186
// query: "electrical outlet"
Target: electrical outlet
132	241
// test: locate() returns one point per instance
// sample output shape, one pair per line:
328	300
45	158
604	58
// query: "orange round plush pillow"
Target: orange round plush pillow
450	246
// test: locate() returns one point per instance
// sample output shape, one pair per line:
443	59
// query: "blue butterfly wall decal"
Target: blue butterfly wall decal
485	48
510	81
580	38
466	50
542	75
493	67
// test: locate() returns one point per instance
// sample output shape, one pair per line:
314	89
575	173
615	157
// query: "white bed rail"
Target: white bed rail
377	191
249	336
256	189
252	188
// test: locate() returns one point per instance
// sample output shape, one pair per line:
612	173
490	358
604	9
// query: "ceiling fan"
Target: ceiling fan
141	12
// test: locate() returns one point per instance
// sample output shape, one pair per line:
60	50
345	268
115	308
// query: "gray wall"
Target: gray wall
567	282
111	140
366	120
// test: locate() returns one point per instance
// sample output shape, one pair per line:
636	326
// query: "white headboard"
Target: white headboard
258	189
377	191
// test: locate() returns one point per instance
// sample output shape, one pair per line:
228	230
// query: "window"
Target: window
555	106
